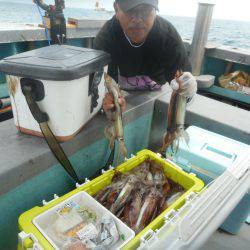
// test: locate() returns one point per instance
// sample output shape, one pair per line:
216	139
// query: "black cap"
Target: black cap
126	5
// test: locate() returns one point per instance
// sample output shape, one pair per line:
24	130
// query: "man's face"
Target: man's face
137	22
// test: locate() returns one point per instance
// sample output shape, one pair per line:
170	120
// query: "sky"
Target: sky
224	9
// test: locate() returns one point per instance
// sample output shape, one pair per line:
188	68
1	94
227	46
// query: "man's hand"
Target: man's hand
108	102
188	85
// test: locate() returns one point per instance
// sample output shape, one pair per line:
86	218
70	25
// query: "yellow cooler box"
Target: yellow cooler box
36	224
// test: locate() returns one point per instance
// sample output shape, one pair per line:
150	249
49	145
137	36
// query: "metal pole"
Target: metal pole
89	42
202	25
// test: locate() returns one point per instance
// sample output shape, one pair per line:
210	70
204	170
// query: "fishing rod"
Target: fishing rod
57	20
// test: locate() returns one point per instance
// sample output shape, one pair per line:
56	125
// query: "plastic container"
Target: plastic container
208	155
188	181
67	83
205	81
85	200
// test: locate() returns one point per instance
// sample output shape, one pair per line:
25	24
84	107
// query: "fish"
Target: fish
126	213
174	197
154	176
132	210
135	209
124	195
111	198
142	171
169	200
165	192
140	195
121	212
102	195
114	131
147	209
176	120
159	178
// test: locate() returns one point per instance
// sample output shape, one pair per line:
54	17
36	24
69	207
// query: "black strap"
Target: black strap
42	119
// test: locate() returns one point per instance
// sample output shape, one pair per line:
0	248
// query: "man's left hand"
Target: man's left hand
188	85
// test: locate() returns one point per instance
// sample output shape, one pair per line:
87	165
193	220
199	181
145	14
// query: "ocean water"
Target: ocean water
224	32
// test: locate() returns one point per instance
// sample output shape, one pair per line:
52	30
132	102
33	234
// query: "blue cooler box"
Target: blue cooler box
208	155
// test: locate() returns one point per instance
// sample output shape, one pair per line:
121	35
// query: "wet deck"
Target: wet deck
223	241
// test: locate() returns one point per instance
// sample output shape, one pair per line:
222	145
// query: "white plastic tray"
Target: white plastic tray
83	199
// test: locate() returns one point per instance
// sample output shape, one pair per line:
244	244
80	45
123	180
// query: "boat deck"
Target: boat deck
28	169
221	240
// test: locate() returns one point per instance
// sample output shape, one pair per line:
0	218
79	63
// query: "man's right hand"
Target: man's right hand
108	102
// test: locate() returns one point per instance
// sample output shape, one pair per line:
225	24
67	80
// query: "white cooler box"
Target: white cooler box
208	155
67	83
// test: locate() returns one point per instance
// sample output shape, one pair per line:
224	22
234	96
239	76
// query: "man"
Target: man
146	50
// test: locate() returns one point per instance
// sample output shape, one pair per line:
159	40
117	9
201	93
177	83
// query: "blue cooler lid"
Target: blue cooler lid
248	219
55	62
208	154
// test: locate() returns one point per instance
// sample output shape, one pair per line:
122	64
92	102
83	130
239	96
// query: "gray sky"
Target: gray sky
224	9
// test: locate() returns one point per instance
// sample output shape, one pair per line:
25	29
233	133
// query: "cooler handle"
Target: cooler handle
81	185
22	236
148	239
29	89
149	234
220	152
46	202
